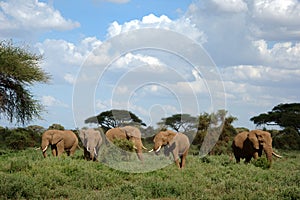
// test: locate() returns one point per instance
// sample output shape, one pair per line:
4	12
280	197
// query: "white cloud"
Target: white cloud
31	16
230	5
62	57
281	54
182	25
276	19
131	60
52	101
70	78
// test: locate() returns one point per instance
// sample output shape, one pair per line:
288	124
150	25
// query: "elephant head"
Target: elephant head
91	140
252	144
163	138
59	141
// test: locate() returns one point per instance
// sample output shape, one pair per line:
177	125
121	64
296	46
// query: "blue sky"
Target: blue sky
246	53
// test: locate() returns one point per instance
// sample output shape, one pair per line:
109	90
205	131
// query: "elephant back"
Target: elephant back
131	131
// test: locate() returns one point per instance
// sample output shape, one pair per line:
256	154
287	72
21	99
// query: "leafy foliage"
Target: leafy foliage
179	122
27	175
19	69
19	138
288	139
114	118
56	127
284	115
220	128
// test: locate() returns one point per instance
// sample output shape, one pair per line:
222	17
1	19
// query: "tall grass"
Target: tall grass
27	175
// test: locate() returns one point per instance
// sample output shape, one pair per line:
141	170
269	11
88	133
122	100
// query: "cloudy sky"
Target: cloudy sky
159	58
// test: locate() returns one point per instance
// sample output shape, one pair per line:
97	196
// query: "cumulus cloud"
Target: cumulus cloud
31	16
181	25
276	19
62	57
52	101
230	5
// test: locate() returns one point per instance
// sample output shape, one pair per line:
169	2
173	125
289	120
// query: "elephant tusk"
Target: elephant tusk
144	147
45	149
150	151
134	147
278	156
95	152
158	149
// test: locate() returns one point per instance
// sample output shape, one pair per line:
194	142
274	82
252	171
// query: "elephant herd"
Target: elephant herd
245	144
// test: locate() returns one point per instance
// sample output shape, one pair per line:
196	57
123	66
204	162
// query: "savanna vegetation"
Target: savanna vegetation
25	174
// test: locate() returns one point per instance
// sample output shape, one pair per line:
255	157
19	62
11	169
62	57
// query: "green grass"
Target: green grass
27	175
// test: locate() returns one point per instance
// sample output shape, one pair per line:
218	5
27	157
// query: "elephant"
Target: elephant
252	144
130	133
60	141
91	140
176	143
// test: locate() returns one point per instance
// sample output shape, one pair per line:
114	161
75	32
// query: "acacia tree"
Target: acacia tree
184	122
284	115
19	69
114	118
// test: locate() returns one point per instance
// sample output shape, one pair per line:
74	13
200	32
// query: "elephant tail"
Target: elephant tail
78	147
276	155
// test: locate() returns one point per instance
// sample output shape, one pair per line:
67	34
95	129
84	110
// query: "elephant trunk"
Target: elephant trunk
269	151
140	155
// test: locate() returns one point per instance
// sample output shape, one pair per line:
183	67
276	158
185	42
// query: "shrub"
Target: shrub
262	163
288	139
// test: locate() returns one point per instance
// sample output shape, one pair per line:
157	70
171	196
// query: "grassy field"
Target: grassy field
27	175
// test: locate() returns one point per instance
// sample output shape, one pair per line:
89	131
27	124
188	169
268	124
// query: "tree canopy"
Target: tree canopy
114	118
184	122
19	69
283	115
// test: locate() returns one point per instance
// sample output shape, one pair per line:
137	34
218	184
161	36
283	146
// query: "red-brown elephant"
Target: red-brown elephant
252	144
60	141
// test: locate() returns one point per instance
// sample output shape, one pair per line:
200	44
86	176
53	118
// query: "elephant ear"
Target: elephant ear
263	137
82	135
57	137
252	135
169	136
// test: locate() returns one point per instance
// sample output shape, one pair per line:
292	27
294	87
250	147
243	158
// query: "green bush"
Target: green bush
19	138
19	165
262	163
288	139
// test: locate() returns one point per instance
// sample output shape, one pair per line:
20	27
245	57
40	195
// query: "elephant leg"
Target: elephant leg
86	154
177	163
72	150
60	148
183	159
54	150
248	158
255	155
176	159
